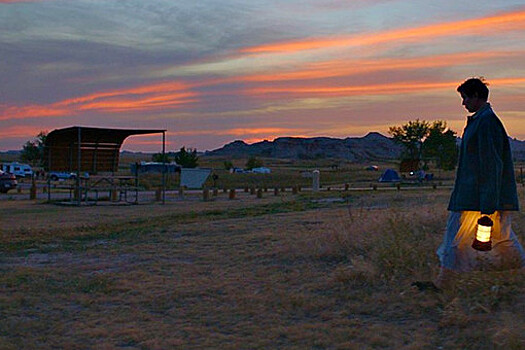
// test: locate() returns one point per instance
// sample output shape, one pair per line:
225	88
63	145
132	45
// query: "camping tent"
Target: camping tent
390	175
194	177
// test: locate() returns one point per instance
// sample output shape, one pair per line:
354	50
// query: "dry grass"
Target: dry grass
281	272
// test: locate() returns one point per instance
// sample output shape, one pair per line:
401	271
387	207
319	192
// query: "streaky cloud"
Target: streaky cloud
490	25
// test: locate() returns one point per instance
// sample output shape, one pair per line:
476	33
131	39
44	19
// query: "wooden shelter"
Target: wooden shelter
93	150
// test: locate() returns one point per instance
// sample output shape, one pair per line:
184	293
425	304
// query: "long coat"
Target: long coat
485	175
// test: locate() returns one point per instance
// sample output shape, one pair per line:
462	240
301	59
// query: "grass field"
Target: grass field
283	272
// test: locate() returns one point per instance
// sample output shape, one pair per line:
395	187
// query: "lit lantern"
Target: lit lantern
482	241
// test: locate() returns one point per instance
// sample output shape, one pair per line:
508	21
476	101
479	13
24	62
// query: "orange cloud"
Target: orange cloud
337	68
21	112
140	90
19	131
233	132
122	105
488	25
148	97
373	89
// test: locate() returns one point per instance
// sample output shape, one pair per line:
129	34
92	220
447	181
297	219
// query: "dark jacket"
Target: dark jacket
485	175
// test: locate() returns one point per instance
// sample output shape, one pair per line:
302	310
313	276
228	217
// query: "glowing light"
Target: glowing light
483	233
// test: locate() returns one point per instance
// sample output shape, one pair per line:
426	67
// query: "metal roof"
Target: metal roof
98	148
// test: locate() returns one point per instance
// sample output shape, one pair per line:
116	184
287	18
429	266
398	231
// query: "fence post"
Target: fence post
232	193
259	193
32	192
315	180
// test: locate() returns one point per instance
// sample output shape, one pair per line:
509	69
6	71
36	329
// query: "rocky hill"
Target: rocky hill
373	146
518	149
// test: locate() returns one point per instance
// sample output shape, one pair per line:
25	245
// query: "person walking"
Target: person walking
485	186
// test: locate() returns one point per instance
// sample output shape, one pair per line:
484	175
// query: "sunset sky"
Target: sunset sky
211	71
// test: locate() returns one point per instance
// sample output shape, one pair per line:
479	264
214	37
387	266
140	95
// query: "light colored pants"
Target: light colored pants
456	252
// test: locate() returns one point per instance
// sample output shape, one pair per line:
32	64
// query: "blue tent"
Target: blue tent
390	175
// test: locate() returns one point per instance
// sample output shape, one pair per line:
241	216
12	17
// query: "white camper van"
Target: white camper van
18	169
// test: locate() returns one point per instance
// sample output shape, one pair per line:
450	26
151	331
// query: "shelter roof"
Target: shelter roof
94	149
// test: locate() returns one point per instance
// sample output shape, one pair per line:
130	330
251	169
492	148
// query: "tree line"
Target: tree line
422	141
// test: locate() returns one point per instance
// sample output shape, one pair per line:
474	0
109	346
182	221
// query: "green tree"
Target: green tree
440	144
228	165
425	140
187	159
157	157
411	136
253	162
33	150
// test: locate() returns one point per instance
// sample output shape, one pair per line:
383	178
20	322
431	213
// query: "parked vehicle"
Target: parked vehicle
261	170
64	175
7	181
18	169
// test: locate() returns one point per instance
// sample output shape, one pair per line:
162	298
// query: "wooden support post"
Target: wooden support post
232	193
205	194
259	193
32	191
275	191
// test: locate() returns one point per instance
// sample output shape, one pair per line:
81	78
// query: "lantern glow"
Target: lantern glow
482	241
